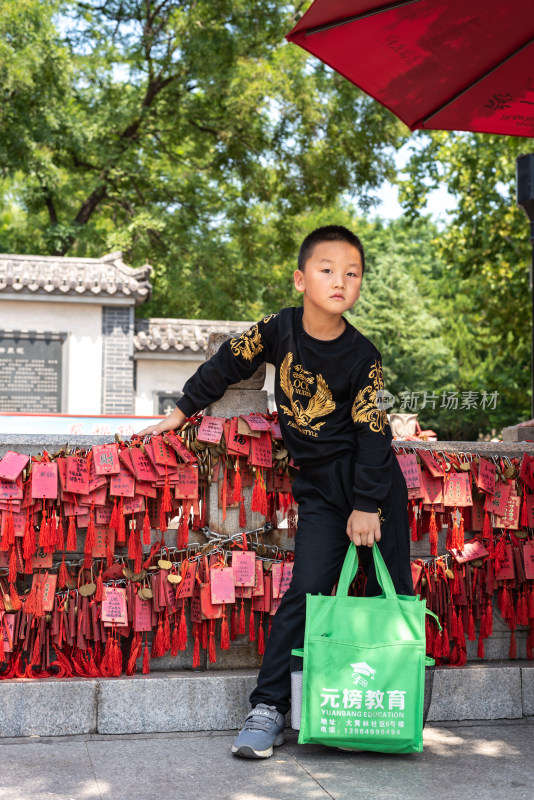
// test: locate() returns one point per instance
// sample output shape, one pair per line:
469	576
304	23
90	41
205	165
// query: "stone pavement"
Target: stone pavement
481	761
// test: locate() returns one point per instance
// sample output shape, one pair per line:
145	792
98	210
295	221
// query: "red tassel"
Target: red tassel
132	544
60	535
471	633
71	535
455	540
261	637
413	521
146	528
446	645
183	530
251	626
15	599
225	633
135	650
52	534
433	533
505	602
512	651
99	593
182	632
166	635
489	618
522	610
242	515
480	648
498	556
236	498
204	634
43	531
487	531
114	521
146	660
196	647
162	519
167	501
242	625
211	646
174	641
90	540
12	565
523	520
28	543
530	603
233	622
157	642
438	646
121	526
461	541
117	659
35	659
110	558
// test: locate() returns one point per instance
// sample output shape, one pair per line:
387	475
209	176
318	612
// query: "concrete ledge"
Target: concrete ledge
527	690
164	702
174	702
477	691
48	707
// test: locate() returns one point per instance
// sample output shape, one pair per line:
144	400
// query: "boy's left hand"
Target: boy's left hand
363	527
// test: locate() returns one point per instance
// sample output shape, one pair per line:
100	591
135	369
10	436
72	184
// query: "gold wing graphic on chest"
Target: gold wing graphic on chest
319	405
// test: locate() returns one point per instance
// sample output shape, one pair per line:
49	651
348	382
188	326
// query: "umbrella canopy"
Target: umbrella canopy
437	64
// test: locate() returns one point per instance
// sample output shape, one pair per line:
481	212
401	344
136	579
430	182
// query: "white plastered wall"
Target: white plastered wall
168	374
82	353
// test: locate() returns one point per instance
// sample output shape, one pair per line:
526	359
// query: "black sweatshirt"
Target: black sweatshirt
325	393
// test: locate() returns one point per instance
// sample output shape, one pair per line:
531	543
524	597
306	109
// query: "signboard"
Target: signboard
31	371
74	425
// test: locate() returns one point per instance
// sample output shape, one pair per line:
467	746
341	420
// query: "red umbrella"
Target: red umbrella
442	64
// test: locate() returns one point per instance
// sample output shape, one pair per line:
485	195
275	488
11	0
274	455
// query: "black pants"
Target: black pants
324	496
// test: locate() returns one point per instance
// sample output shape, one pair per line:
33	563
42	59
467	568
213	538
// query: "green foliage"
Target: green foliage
186	133
486	252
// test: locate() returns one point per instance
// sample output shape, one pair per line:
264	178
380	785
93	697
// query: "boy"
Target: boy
349	485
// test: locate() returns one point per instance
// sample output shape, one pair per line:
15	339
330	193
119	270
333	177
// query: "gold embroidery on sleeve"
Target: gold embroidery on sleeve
319	405
248	345
365	408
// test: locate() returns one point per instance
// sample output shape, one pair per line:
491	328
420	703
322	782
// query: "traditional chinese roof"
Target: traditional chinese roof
104	277
180	335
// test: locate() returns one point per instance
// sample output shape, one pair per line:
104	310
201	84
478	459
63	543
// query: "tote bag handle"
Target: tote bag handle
350	567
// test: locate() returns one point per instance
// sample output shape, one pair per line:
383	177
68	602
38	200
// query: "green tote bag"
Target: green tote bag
364	667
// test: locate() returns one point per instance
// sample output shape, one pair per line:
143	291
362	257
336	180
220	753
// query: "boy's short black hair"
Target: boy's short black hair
328	233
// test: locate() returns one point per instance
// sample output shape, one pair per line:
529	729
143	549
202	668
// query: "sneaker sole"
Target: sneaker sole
245	751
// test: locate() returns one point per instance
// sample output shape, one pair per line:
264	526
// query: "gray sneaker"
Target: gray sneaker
263	729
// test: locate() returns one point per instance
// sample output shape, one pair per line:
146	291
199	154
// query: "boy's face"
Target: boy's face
331	278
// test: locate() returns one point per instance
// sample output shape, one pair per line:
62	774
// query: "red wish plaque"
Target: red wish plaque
408	465
457	489
528	560
12	464
276	579
142	466
11	490
244	567
211	429
261	453
471	550
497	503
114	605
77	475
432	488
510	518
186	487
506	571
163	454
44	480
237	443
256	422
179	448
106	459
122	485
486	476
430	463
222	585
